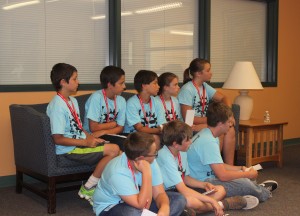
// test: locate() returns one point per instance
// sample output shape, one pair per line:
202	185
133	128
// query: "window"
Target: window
238	30
158	35
37	36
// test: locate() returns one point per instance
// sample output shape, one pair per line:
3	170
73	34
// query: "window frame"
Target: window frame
114	10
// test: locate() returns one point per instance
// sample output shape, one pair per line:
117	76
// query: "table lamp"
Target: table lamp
243	77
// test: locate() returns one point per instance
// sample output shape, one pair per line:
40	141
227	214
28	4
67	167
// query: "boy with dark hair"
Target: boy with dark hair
132	182
206	163
105	109
71	140
173	162
143	112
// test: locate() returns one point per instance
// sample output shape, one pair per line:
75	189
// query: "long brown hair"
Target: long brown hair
196	65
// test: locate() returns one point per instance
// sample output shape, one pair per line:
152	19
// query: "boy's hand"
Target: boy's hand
209	186
252	173
217	208
92	141
142	166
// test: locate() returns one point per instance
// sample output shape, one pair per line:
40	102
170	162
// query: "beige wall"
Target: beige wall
281	101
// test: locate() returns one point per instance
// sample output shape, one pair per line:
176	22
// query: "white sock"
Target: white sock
221	204
91	182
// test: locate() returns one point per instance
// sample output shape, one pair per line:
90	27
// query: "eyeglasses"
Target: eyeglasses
152	155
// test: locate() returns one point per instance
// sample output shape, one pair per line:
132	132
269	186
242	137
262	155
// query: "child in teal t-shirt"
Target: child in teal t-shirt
71	140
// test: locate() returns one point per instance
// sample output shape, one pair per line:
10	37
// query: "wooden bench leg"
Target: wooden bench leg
51	195
19	180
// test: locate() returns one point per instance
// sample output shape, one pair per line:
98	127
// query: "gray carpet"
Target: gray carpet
285	200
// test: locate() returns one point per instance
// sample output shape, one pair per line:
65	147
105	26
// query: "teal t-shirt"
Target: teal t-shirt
117	180
189	96
63	122
168	111
96	110
204	151
135	114
169	166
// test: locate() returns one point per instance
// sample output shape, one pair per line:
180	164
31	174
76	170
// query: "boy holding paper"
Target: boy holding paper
206	163
172	159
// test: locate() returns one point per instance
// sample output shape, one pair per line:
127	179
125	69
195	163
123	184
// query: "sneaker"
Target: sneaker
91	201
86	193
252	202
271	185
188	212
234	203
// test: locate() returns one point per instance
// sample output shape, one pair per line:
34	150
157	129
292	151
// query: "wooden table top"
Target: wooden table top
260	122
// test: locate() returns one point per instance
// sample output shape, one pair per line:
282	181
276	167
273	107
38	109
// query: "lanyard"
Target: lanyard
180	168
202	99
166	110
107	108
132	173
72	110
144	112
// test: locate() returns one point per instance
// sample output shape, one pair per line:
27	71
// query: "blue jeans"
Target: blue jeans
177	204
242	187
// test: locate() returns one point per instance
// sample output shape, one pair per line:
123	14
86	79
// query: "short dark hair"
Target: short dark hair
176	131
217	112
59	72
110	74
138	144
143	77
164	80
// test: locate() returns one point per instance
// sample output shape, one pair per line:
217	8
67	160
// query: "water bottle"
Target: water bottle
267	117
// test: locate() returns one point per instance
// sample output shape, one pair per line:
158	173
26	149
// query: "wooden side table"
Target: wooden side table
261	142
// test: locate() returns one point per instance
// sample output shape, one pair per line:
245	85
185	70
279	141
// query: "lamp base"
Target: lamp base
246	104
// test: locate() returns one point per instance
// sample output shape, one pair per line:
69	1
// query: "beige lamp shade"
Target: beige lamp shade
243	77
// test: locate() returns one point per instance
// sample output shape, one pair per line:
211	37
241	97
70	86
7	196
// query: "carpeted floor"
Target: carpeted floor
285	200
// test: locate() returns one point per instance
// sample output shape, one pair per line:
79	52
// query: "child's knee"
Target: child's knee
112	150
221	192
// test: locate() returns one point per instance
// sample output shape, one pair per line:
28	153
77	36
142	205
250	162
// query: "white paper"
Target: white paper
255	167
117	135
146	212
189	117
209	192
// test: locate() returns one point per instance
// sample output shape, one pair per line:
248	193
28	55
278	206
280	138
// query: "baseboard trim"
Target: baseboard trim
10	181
294	141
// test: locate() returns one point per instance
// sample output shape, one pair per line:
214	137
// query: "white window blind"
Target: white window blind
238	33
158	35
35	37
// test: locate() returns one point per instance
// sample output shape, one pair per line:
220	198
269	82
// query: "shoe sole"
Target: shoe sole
253	202
270	181
82	196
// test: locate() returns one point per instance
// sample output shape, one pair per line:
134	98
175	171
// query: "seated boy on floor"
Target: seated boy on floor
206	163
71	140
132	182
172	160
105	109
143	112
